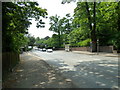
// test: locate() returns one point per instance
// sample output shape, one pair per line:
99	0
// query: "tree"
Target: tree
61	26
16	19
107	25
118	27
102	18
47	37
67	23
31	40
90	19
37	39
55	40
55	27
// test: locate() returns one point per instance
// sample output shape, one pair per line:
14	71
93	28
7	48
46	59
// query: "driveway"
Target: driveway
85	71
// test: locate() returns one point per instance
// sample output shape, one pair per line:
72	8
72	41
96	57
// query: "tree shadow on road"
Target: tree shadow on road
93	74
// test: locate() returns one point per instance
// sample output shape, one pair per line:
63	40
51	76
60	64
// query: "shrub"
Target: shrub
85	42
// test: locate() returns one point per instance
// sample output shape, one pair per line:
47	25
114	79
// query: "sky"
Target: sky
53	7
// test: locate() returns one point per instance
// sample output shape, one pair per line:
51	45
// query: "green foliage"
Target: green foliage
50	42
54	24
85	42
76	36
61	27
107	23
107	19
16	19
91	21
31	40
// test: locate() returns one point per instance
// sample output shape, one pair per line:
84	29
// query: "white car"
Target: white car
35	48
49	50
40	49
43	49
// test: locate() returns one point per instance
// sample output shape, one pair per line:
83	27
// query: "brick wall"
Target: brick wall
108	49
80	48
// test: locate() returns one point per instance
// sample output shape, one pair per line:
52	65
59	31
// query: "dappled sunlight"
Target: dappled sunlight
100	84
110	71
41	83
100	75
19	70
67	68
91	72
84	70
108	65
97	73
32	70
104	73
37	74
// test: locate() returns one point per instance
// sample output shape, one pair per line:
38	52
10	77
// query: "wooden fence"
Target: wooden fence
9	60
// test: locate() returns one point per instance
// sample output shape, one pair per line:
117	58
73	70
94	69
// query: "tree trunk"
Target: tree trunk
93	32
93	29
88	13
59	38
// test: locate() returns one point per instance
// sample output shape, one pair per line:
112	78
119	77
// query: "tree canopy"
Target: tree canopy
91	21
16	20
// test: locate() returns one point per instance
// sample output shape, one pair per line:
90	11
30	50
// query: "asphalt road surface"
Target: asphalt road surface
85	71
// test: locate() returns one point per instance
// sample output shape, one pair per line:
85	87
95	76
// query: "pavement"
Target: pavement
33	72
98	53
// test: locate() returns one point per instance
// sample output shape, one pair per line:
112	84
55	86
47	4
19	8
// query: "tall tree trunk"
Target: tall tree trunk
93	29
89	17
93	32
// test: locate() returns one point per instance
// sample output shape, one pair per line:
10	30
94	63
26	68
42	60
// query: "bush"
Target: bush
85	42
74	45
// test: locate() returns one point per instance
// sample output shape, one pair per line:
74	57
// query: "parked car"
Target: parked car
36	48
43	49
40	49
49	50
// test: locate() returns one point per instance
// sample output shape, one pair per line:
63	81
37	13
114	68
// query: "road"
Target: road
85	71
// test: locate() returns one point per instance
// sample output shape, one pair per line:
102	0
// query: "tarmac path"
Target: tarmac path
33	72
85	71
